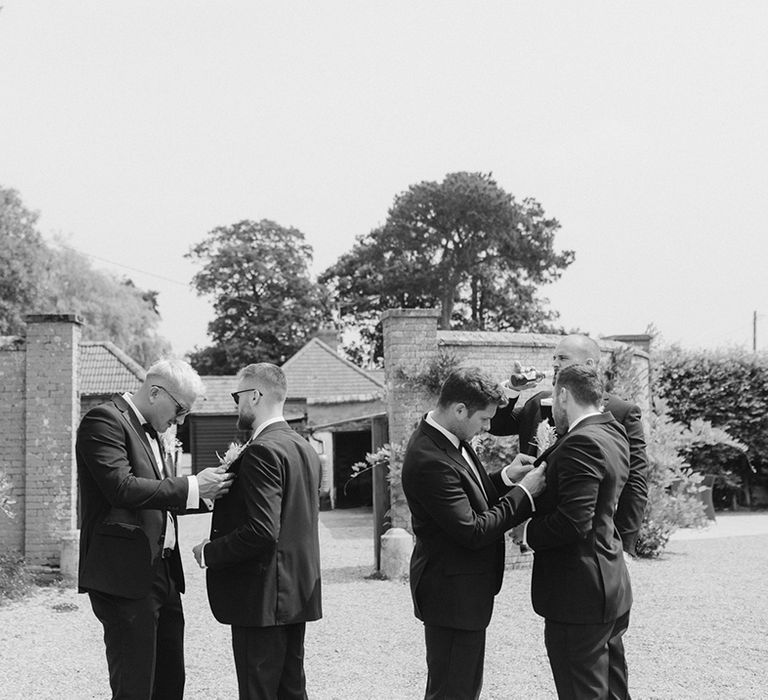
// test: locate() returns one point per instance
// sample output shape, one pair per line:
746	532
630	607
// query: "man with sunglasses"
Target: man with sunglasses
263	557
129	556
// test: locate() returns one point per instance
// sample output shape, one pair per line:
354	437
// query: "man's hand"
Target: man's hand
535	480
197	550
214	482
519	467
521	379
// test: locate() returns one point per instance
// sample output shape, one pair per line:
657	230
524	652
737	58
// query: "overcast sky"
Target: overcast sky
137	127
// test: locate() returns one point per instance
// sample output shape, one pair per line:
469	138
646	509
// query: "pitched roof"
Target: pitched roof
105	369
317	372
218	397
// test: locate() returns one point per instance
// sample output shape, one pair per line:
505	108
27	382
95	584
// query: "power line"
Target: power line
127	267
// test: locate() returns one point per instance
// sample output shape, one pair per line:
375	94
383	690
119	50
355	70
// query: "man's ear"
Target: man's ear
460	409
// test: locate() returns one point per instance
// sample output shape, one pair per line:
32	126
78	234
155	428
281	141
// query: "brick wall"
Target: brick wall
52	413
12	415
411	340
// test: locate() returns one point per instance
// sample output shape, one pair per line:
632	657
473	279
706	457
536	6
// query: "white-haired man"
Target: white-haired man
129	556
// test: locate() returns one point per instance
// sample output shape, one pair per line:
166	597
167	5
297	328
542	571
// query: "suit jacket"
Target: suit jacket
263	560
123	506
579	575
458	559
524	420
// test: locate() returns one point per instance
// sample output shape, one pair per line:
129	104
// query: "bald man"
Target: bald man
524	420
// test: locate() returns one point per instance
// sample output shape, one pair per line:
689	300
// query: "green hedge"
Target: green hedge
728	388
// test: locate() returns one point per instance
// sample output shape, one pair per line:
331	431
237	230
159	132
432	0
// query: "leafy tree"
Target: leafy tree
114	309
266	304
464	244
38	278
22	259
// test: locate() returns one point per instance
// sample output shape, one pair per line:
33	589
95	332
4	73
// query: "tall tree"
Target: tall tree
463	244
113	308
266	304
39	278
22	261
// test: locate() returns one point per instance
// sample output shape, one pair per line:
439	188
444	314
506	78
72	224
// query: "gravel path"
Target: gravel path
697	630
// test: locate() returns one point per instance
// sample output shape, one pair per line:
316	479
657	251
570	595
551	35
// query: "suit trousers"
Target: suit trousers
588	660
144	640
455	661
269	662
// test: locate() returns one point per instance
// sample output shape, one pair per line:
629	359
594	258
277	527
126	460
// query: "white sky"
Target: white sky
136	127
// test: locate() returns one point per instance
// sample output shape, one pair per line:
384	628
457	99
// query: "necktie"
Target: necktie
465	448
152	433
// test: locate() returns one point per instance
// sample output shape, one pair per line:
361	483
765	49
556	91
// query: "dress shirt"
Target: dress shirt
456	442
193	491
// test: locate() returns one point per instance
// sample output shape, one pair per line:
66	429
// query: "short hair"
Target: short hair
472	387
584	382
587	347
271	379
179	373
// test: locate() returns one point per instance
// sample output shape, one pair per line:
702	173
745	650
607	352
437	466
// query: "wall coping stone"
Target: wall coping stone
55	318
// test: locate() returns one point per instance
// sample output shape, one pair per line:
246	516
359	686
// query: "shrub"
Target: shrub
728	388
430	375
390	457
15	579
674	488
6	502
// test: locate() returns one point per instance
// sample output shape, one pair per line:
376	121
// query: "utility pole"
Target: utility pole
754	331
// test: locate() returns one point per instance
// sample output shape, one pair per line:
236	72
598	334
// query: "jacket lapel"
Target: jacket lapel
133	423
443	443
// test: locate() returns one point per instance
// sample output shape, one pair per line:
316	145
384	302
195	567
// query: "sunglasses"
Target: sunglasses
236	394
180	410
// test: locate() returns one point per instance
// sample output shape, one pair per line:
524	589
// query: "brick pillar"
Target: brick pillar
410	341
52	413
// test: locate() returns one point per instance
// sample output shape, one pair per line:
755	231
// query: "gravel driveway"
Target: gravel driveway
697	629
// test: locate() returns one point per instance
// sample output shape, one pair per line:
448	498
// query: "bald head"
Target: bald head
575	349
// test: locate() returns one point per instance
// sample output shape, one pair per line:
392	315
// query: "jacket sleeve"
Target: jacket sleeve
102	449
439	489
260	479
506	421
579	475
634	495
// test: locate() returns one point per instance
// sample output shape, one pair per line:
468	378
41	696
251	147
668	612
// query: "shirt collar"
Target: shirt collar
129	400
454	440
581	418
267	422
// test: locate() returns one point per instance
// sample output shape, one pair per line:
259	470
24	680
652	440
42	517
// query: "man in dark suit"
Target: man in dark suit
580	583
129	556
460	514
524	421
263	557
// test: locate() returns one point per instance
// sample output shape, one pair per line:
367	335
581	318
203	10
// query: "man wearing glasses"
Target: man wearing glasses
263	557
129	557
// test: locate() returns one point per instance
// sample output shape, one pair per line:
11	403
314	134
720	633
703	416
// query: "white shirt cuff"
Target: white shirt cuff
508	482
525	534
203	565
530	498
193	494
